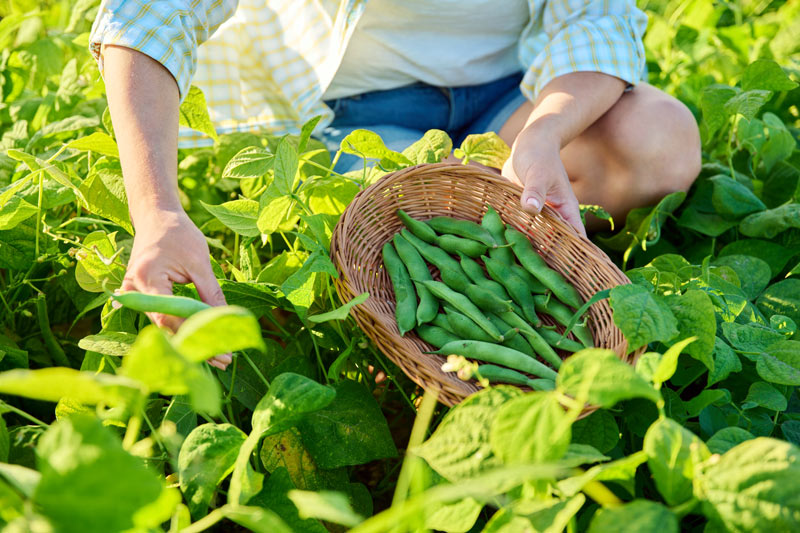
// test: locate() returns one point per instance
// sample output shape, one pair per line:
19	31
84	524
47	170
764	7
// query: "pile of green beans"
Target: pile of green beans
494	287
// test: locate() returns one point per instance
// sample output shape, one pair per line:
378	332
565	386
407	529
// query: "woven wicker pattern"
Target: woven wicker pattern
457	191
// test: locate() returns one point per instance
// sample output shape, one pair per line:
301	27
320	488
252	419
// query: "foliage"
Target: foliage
110	424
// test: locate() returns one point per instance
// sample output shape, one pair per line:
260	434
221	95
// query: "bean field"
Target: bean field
110	423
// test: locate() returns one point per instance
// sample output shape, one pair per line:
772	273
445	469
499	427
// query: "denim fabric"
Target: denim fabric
401	116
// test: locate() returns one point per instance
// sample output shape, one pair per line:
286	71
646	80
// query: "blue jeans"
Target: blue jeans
401	116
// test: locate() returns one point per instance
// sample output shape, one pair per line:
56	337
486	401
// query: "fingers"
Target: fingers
221	361
563	200
206	284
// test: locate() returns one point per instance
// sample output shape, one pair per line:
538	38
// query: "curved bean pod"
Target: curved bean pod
417	227
418	270
462	228
405	310
462	304
500	355
160	303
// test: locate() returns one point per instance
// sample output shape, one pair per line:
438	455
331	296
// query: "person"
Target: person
558	80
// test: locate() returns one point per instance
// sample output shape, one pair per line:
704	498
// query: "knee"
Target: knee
661	146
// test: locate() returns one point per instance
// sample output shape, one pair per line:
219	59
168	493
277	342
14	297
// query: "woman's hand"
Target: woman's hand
535	164
168	248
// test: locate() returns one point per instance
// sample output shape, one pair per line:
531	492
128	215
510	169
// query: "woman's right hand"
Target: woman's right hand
168	248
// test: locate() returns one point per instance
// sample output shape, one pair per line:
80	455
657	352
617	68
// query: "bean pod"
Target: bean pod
406	298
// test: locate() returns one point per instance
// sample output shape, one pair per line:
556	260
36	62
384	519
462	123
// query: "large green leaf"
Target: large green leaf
240	216
754	273
53	384
99	142
274	496
194	113
754	486
14	211
533	428
642	316
767	224
104	192
695	315
433	147
768	75
782	298
218	330
607	380
642	516
599	430
206	458
351	430
668	446
460	447
90	484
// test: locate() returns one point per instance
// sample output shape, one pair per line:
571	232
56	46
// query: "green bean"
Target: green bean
448	267
539	345
516	287
418	270
496	228
516	342
550	306
462	228
464	327
453	244
476	274
499	355
434	335
441	322
417	227
553	338
498	374
462	304
533	284
160	303
536	265
406	299
487	300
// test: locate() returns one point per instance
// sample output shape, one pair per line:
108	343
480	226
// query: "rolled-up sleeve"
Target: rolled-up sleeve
167	31
583	35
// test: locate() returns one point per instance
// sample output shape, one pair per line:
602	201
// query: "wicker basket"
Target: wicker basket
462	192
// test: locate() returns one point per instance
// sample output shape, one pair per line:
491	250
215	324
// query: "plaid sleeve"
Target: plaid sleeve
167	31
584	35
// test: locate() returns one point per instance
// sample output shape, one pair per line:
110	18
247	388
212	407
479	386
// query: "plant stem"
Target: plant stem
50	342
600	493
23	414
421	423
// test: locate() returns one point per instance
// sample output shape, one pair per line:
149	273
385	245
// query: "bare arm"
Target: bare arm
167	248
563	110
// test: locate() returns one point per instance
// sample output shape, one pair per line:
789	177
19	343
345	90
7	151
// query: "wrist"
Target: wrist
541	135
145	214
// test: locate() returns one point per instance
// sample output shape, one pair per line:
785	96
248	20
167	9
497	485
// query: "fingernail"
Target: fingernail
533	203
227	357
115	304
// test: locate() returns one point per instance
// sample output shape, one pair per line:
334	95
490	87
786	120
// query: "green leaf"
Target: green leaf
754	273
732	199
340	313
365	143
99	142
621	471
533	428
82	463
783	324
325	505
216	331
194	113
484	148
781	298
764	395
285	167
767	75
289	398
156	363
109	343
791	431
458	517
669	361
582	454
205	459
99	268
104	192
250	162
707	397
726	438
712	102
599	430
607	379
553	516
274	496
255	519
460	448
780	363
305	133
14	211
775	255
752	487
668	446
780	143
749	337
433	147
278	212
747	103
53	384
641	316
769	223
351	430
240	216
695	314
639	515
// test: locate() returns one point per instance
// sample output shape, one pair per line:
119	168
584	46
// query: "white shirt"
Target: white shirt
446	43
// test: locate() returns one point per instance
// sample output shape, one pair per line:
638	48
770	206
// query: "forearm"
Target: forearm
569	104
143	101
